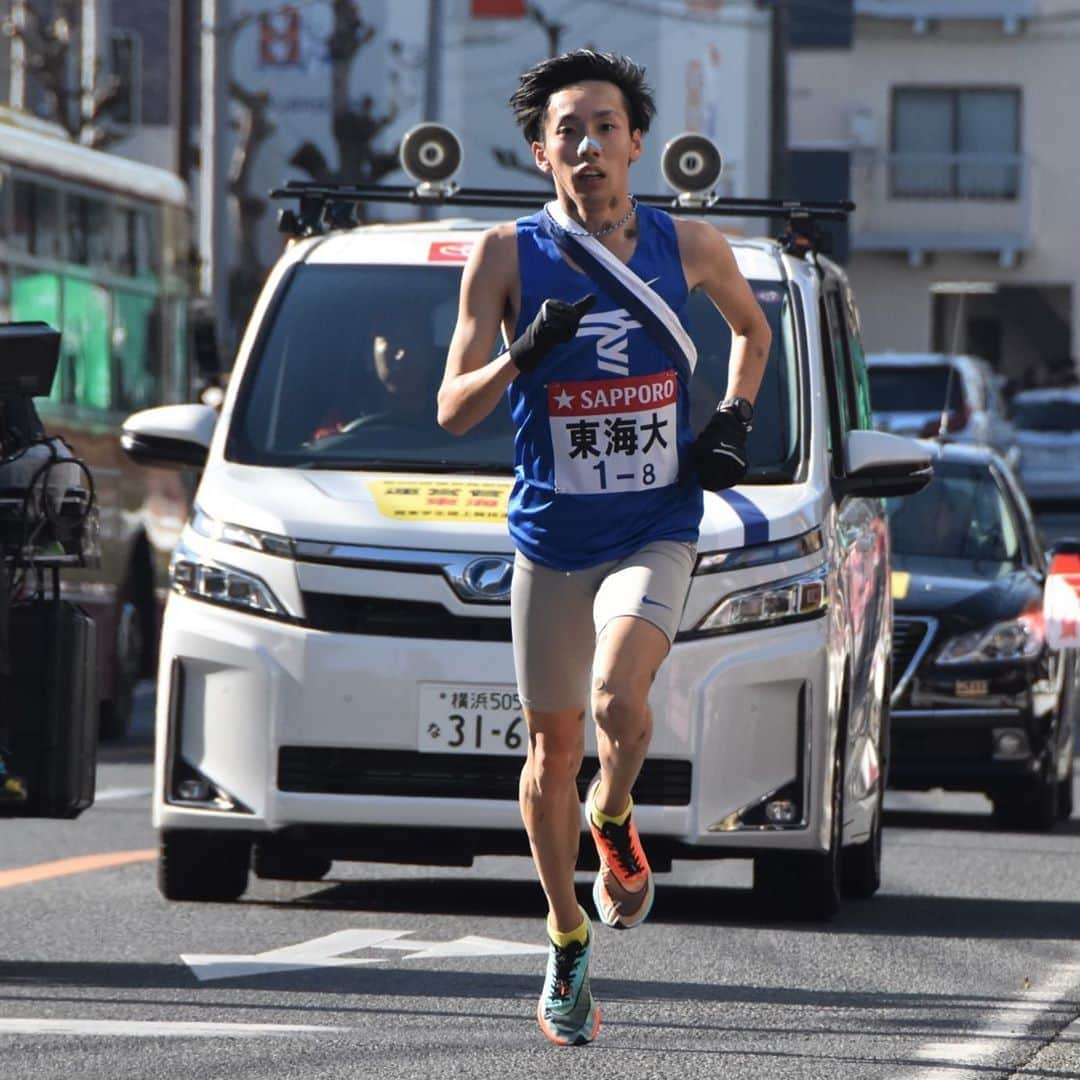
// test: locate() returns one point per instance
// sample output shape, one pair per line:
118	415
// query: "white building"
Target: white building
957	120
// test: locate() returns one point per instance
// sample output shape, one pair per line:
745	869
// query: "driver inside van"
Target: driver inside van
406	371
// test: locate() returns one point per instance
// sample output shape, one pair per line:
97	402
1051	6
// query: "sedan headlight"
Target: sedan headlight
197	577
788	600
1021	638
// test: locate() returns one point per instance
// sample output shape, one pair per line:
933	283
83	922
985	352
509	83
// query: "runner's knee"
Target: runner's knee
555	761
620	708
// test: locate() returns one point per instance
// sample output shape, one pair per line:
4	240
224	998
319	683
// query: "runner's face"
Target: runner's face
596	178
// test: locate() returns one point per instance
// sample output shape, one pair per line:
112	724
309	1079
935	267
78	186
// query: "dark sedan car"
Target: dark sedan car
980	701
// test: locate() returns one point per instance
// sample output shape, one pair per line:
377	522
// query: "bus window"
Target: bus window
144	239
98	233
77	225
123	241
5	205
36	225
22	214
37	297
136	348
86	342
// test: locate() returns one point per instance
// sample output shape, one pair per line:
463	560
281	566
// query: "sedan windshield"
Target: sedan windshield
961	516
1061	415
346	378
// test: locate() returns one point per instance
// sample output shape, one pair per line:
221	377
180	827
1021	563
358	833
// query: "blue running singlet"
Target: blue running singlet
602	424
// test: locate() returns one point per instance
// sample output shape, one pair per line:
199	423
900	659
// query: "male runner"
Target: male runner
606	503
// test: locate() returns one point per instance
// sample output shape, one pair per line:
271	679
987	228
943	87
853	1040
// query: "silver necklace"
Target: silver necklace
611	227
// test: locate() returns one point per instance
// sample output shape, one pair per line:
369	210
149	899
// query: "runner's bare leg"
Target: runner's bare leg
629	653
551	806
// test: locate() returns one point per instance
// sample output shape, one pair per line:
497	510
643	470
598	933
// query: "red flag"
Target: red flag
498	9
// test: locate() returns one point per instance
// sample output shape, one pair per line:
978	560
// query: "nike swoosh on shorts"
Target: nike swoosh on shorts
655	603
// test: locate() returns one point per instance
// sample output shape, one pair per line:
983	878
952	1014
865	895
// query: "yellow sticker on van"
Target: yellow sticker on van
901	581
441	500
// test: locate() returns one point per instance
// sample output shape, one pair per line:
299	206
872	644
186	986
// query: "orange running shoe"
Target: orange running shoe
623	891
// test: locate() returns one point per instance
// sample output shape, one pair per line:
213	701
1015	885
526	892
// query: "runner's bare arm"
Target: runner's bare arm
710	263
473	384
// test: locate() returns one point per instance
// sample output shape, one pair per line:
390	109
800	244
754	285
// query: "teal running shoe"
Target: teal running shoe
567	1012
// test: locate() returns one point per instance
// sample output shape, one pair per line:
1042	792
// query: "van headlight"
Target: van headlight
1014	639
775	602
267	543
201	579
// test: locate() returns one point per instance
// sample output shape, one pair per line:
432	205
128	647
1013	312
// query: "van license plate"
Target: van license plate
470	718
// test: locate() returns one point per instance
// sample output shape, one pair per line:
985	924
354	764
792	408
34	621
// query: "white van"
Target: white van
336	677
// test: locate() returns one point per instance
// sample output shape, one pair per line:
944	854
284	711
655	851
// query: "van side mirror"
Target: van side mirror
170	436
880	465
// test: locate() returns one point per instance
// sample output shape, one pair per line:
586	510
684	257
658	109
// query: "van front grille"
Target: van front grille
388	617
331	770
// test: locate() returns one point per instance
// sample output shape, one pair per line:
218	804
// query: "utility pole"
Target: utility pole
779	43
182	15
433	79
93	34
434	65
17	56
213	191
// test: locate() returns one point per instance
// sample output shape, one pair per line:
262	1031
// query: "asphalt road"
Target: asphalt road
967	964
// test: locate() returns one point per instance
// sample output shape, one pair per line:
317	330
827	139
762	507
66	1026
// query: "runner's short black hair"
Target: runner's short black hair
535	87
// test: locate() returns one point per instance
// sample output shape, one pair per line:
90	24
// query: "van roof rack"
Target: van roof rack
323	207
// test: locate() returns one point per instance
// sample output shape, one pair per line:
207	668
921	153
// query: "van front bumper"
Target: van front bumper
277	727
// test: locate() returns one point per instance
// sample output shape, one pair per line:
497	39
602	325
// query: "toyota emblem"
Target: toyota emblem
488	578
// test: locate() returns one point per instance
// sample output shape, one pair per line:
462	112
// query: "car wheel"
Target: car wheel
1065	797
1033	807
800	885
278	862
860	864
200	864
115	711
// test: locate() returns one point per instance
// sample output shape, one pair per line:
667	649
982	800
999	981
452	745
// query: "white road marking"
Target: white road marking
953	1059
319	952
154	1029
475	945
329	951
109	794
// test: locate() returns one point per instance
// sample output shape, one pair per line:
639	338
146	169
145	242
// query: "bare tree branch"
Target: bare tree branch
355	128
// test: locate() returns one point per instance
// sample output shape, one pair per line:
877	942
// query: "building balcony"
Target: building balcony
919	204
924	13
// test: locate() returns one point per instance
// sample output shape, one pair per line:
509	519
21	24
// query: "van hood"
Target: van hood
442	512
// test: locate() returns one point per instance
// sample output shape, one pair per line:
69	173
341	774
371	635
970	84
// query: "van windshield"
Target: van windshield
346	378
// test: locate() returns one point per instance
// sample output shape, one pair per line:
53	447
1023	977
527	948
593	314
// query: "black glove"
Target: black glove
555	324
719	452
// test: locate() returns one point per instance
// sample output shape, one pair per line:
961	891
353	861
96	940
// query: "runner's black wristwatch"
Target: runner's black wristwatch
741	407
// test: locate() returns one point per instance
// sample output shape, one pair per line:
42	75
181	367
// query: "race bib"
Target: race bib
614	435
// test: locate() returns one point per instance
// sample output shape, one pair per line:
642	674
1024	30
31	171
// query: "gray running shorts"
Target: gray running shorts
557	615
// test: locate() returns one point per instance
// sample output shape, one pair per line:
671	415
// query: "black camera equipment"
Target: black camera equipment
48	520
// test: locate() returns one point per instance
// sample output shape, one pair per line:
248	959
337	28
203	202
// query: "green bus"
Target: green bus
99	247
